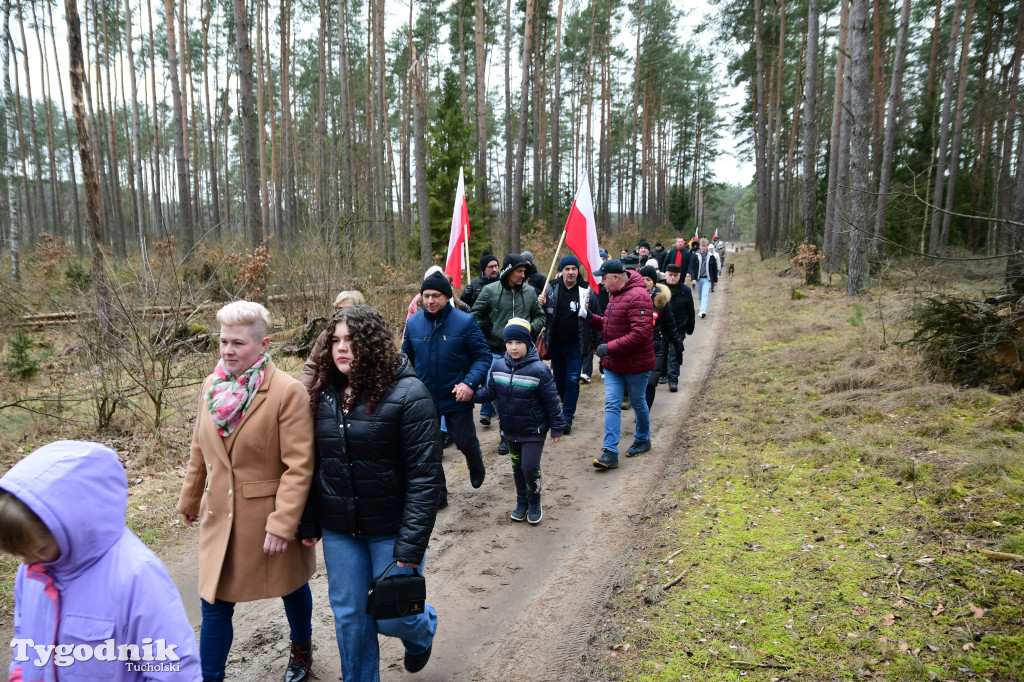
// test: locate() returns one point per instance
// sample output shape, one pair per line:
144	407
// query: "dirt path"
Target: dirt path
513	600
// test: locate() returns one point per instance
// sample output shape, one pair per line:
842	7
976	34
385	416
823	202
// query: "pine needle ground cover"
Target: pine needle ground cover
841	516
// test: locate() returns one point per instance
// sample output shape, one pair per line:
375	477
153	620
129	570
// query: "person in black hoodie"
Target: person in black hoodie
682	310
666	333
534	278
376	484
488	274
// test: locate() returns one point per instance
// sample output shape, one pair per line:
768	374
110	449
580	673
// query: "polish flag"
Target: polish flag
459	237
694	236
581	231
715	237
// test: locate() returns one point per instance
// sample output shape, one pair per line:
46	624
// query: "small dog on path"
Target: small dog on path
732	269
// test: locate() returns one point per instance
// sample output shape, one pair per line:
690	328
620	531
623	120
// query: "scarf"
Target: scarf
229	398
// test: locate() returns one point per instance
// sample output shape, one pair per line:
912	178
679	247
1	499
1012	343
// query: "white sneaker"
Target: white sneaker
585	378
703	314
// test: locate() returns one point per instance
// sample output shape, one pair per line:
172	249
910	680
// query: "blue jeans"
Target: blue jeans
216	633
488	409
703	288
614	387
566	363
351	564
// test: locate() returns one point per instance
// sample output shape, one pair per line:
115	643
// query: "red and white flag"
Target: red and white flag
581	231
695	237
459	236
715	237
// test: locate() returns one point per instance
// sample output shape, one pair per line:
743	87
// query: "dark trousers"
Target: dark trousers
216	632
675	361
565	366
463	433
526	465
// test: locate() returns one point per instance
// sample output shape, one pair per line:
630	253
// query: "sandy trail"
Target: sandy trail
514	601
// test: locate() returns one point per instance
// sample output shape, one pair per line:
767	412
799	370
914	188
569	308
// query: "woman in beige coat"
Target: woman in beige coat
247	483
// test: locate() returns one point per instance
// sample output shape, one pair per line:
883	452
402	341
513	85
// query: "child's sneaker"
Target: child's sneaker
522	505
534	513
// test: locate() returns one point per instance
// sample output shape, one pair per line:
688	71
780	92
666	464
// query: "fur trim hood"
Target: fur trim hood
661	295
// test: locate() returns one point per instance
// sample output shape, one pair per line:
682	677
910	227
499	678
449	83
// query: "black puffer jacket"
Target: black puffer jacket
666	330
378	473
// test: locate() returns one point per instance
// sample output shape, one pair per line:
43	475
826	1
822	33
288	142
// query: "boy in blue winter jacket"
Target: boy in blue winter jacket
528	407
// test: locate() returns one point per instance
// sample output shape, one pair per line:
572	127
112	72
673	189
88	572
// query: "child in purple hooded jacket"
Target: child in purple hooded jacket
91	600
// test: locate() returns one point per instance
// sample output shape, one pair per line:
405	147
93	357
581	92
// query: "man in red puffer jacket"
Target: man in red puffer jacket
627	356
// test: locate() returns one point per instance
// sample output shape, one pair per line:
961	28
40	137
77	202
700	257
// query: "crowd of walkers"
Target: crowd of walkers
348	456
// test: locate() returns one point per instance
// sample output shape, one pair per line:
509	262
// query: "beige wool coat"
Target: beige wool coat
253	482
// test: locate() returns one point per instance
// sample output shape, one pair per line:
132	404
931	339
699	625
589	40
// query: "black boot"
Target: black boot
300	662
522	505
534	514
477	471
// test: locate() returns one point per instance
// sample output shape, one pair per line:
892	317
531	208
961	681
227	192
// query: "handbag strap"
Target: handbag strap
384	573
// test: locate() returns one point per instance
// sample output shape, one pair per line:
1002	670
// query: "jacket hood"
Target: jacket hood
661	295
55	481
512	261
405	369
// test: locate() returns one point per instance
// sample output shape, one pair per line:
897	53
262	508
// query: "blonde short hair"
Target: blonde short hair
249	314
703	241
356	297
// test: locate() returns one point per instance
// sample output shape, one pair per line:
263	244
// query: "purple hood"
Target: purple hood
79	490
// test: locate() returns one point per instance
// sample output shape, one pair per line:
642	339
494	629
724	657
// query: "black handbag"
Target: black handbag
395	596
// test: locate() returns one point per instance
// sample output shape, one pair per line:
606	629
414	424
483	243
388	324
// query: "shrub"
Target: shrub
19	361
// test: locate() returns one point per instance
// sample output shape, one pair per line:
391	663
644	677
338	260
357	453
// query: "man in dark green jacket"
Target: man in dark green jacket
499	302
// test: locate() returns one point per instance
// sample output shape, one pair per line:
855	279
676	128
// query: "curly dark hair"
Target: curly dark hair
375	358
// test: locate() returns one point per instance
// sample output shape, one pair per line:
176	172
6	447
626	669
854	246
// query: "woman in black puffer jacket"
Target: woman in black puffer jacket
665	330
376	485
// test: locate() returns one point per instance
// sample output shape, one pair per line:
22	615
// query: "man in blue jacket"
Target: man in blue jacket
451	358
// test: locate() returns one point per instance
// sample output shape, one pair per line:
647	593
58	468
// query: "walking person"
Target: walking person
666	331
682	310
248	476
376	485
451	358
703	274
85	576
488	274
627	355
568	338
679	255
527	408
498	303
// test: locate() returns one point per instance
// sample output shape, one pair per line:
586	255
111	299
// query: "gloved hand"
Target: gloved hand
583	312
602	350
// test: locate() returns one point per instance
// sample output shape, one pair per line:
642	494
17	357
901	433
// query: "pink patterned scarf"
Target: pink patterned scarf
229	397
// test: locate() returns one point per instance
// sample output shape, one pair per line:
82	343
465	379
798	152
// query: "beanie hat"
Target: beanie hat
527	255
518	329
648	271
512	261
602	253
644	243
568	260
652	261
437	282
486	258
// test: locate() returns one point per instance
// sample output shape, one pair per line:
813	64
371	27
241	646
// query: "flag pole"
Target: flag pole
551	270
465	246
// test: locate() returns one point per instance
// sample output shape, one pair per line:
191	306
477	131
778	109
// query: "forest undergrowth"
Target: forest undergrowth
841	516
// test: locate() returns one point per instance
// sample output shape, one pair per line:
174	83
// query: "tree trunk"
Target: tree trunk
347	186
833	198
286	226
760	142
958	126
181	160
891	112
480	36
55	211
1004	192
512	238
10	161
419	124
934	243
79	244
211	150
861	200
158	212
247	111
810	141
508	122
136	135
93	206
556	165
31	137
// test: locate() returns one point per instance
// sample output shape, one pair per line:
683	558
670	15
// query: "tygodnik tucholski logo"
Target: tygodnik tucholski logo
153	655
